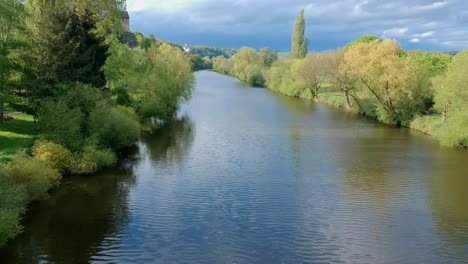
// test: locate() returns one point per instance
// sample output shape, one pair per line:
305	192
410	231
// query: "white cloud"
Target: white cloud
424	35
414	40
395	32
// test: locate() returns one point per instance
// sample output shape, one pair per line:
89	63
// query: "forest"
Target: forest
426	91
73	97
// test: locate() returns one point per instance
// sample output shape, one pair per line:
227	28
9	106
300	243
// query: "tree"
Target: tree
388	77
245	58
70	40
431	65
312	71
299	42
364	39
268	56
10	23
340	76
451	89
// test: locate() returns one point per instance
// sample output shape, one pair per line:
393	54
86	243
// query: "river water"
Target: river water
247	176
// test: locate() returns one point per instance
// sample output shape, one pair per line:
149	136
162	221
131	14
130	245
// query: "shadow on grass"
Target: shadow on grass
16	135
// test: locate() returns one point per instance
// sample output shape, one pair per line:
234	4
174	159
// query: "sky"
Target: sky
440	25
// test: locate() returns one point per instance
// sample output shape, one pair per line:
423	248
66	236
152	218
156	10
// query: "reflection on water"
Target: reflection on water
247	176
76	222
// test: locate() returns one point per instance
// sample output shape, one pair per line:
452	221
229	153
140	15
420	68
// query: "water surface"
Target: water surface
247	176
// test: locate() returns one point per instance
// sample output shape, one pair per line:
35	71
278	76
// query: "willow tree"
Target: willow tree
299	41
387	76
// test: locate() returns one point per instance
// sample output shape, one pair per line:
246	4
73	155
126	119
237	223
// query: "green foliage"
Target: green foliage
454	132
11	12
35	175
451	89
92	159
199	63
67	47
138	71
211	52
364	39
13	202
55	155
61	124
299	42
386	77
268	56
282	77
451	97
113	127
222	65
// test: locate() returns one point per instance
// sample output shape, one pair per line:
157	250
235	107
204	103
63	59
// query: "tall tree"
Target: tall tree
10	21
299	42
67	48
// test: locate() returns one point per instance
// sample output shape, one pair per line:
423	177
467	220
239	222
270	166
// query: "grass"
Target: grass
17	134
429	124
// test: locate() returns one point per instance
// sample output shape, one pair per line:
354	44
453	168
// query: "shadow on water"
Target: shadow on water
75	222
82	221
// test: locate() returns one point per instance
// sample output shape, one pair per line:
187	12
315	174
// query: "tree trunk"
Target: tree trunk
444	116
348	103
316	92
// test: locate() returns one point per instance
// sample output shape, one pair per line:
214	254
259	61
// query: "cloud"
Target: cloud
422	24
395	32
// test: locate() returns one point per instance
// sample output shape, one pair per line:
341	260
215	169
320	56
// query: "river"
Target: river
247	176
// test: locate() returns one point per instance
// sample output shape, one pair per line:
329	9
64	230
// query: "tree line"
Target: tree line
371	76
62	62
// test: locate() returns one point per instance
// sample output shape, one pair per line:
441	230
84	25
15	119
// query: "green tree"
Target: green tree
313	72
364	39
10	22
341	77
67	47
268	56
299	42
388	78
451	89
243	61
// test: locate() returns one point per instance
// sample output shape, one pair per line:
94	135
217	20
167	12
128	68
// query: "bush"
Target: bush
12	206
36	176
92	159
61	124
114	127
454	132
57	156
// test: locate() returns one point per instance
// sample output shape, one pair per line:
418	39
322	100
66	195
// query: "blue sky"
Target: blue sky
415	24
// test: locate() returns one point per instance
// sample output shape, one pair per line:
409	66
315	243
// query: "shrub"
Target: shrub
57	156
36	176
92	159
61	124
12	206
454	131
114	127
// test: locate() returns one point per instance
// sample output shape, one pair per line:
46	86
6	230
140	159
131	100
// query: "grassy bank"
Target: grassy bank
15	135
428	124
